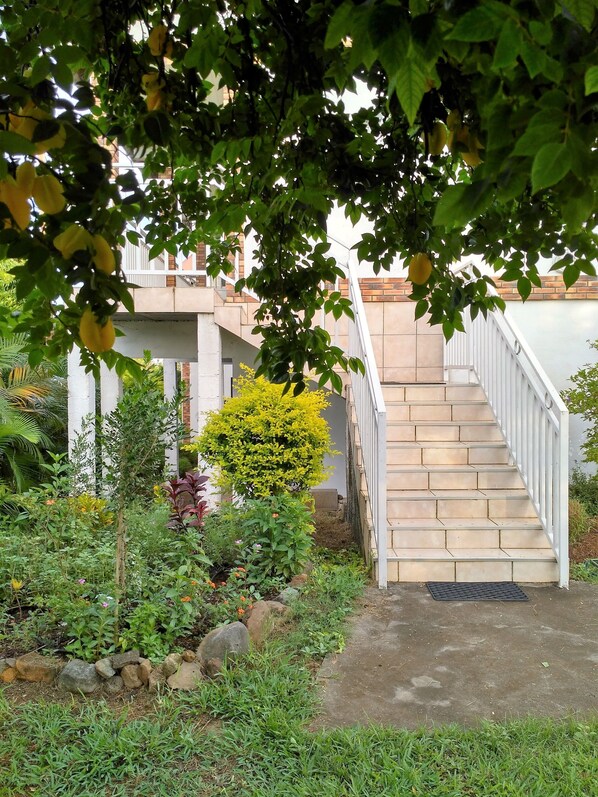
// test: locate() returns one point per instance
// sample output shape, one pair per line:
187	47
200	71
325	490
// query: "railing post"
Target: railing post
381	496
563	499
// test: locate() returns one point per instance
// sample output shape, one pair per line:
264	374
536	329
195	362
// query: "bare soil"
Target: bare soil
587	547
333	532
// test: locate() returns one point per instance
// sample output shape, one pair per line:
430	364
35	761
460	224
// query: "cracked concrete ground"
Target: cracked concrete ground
411	661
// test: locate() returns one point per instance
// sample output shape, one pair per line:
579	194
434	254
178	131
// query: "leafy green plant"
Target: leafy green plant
265	442
278	533
579	520
221	532
584	488
32	412
582	399
585	571
184	496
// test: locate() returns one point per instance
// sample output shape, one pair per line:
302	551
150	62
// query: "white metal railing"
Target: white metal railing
149	272
530	413
371	419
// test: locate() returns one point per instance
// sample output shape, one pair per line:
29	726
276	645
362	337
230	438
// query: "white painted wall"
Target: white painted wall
558	331
167	339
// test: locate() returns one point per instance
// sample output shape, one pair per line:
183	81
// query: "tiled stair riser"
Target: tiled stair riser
456	505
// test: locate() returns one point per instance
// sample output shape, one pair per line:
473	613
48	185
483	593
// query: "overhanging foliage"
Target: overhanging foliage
512	86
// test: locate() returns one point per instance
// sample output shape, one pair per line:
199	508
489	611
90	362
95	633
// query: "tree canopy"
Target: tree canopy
478	138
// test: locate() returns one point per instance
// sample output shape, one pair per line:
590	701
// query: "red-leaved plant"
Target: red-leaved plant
187	504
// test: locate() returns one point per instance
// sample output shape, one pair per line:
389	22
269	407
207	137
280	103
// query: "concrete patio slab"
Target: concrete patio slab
411	661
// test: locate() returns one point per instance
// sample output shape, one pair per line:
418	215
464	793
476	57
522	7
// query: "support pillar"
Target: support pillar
193	401
170	388
111	389
81	405
209	378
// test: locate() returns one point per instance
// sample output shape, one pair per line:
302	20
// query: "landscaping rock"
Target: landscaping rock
189	655
104	668
298	581
288	596
156	680
263	612
171	664
226	641
35	668
4	665
187	677
212	668
120	660
8	675
78	676
130	677
143	671
114	685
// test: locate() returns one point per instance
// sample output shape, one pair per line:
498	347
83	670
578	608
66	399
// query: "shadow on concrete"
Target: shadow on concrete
411	661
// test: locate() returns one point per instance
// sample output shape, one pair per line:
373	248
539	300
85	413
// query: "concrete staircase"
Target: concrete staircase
457	508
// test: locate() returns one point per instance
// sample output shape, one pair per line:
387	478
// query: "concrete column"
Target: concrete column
81	405
111	389
209	378
193	393
170	386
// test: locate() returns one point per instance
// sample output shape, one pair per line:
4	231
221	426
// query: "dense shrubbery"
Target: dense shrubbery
264	442
186	569
584	488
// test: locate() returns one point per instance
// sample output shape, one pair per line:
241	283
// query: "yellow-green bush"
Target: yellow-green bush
263	443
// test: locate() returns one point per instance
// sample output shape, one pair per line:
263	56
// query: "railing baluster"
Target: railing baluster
531	415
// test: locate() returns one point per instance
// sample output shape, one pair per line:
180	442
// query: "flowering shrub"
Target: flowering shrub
265	442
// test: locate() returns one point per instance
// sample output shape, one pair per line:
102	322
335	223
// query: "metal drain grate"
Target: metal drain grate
476	591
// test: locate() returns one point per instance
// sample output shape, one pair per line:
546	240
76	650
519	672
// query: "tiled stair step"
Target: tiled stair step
496	564
430	393
439	411
453	477
412	504
491	452
468	533
443	431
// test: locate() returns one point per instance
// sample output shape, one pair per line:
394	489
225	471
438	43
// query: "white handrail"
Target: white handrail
530	413
371	419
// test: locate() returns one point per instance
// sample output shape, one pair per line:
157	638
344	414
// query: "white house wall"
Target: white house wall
558	333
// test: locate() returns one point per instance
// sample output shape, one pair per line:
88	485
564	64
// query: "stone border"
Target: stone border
178	671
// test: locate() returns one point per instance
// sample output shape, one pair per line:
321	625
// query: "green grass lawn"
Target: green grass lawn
262	747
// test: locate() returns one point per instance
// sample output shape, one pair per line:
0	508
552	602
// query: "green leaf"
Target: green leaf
582	10
15	144
461	203
578	208
541	32
533	57
535	136
524	287
508	46
591	80
478	25
410	84
551	164
570	274
157	128
339	25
